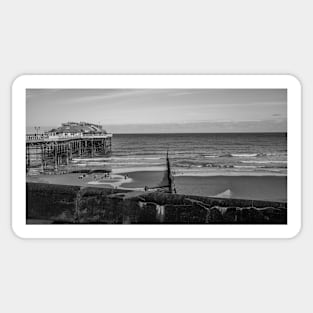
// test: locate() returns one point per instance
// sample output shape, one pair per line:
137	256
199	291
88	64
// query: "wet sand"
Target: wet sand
271	188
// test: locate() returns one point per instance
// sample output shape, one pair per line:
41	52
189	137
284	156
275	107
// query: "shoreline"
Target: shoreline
255	187
202	173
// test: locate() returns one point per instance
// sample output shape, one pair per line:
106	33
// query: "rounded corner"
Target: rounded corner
296	232
16	232
294	81
18	81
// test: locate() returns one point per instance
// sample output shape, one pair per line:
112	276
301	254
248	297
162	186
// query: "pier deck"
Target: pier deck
49	153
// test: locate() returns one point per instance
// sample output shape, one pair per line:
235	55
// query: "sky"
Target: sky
161	110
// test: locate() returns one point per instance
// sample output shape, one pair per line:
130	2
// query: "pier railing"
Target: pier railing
62	137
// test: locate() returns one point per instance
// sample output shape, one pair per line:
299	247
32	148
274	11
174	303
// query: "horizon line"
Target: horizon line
239	132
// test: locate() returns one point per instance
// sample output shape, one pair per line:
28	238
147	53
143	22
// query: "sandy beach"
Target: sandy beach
83	180
272	188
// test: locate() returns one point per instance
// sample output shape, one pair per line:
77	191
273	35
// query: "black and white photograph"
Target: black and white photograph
156	156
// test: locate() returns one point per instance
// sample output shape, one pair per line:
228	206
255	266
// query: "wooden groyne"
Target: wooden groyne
49	153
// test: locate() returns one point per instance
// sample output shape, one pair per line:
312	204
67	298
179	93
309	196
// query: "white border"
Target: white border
155	81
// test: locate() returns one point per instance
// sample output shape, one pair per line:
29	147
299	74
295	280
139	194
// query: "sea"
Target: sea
198	154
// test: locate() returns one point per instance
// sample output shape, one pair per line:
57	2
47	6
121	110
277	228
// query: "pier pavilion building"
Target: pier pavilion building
54	150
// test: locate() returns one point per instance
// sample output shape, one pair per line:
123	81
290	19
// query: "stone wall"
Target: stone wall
81	205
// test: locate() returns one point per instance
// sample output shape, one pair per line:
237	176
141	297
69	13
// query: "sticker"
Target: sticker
156	156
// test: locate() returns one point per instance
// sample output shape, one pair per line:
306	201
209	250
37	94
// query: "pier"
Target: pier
54	150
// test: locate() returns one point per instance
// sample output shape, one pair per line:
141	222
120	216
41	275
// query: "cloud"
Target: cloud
189	107
203	127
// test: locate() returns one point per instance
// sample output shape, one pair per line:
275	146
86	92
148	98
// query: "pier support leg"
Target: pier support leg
42	157
67	156
70	152
27	159
55	157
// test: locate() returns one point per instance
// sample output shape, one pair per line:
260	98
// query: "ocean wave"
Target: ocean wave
206	165
134	163
276	153
235	155
185	164
117	164
247	166
228	172
264	162
228	166
136	158
92	163
246	155
91	159
96	159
